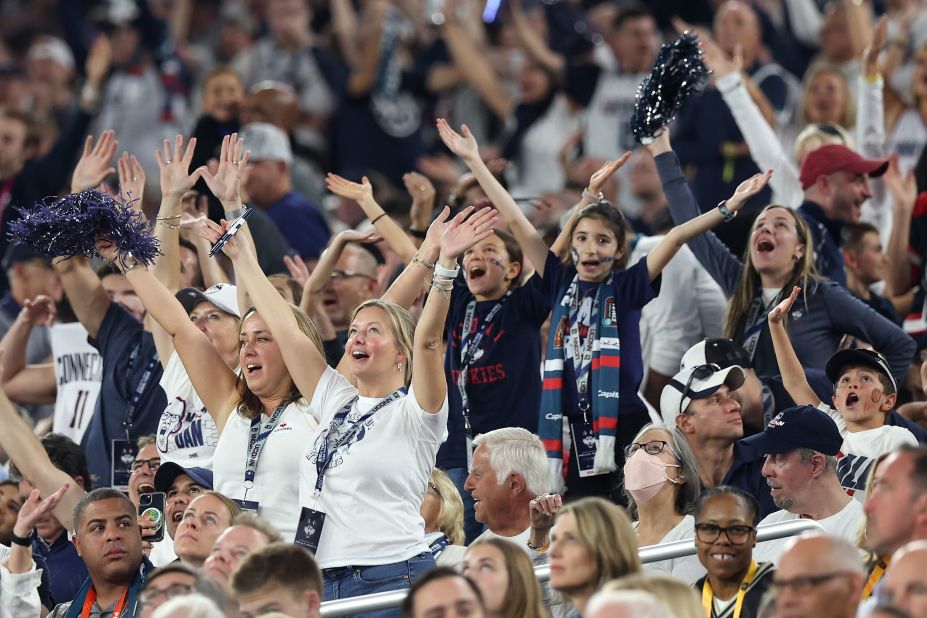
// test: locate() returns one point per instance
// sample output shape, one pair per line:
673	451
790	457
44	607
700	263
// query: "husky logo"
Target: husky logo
776	421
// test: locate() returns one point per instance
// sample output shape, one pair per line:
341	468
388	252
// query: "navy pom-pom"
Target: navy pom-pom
68	227
678	73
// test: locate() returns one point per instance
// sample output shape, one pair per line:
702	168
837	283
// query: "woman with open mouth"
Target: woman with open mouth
779	256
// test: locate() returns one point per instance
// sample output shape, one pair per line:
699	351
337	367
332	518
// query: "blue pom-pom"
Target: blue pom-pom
677	74
69	226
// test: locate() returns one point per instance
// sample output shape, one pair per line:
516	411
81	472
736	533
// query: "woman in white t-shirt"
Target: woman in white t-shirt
661	483
366	471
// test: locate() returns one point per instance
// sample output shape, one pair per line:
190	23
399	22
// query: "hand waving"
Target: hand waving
780	312
34	508
747	189
224	179
40	311
211	231
131	180
461	232
96	162
464	146
601	175
175	165
903	187
362	192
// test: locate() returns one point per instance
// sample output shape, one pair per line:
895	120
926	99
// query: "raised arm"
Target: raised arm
903	190
407	286
303	359
476	69
465	147
195	210
28	384
427	352
423	194
793	375
684	232
362	193
532	41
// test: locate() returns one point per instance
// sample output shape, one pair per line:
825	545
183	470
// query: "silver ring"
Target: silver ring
422	188
134	177
167	161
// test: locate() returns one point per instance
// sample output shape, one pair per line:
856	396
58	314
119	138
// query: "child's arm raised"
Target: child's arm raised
465	147
793	375
660	255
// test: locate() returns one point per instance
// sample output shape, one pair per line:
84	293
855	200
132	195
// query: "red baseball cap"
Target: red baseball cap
837	158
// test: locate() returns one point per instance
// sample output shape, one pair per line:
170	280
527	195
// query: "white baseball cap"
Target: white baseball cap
267	142
223	295
696	383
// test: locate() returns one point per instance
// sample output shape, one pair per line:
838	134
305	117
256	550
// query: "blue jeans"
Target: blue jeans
472	528
344	582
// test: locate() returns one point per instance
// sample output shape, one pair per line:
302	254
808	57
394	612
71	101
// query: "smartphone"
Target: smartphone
152	506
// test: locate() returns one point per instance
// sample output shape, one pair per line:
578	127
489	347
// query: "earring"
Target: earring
399	367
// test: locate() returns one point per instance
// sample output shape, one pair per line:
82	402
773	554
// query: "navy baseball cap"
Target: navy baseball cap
170	471
856	357
795	428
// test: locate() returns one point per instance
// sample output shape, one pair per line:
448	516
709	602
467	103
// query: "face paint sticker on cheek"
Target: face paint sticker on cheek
574	254
876	395
495	262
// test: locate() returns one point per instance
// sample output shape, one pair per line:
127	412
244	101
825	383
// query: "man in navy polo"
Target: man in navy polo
700	401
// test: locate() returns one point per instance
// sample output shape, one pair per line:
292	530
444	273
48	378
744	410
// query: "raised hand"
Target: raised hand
361	193
781	311
464	146
106	249
872	52
211	231
99	60
297	269
903	187
601	175
747	189
131	180
543	511
39	311
34	508
224	179
716	59
174	164
462	232
96	162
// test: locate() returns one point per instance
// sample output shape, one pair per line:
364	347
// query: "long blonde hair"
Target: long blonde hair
803	273
403	326
249	405
451	514
605	531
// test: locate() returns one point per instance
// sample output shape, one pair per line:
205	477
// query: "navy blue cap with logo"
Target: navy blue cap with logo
859	358
170	471
795	428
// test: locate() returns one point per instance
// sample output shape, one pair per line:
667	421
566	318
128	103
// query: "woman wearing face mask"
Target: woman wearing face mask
657	471
725	535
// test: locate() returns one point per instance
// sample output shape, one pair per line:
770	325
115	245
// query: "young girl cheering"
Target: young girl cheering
593	366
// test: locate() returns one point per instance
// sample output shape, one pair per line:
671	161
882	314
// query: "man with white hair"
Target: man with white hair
626	604
509	472
904	587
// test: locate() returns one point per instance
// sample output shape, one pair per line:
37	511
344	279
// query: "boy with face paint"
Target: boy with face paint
865	392
493	352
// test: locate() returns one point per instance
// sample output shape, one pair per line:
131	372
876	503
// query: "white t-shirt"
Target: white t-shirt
860	448
375	484
78	371
163	552
276	481
844	523
187	435
686	568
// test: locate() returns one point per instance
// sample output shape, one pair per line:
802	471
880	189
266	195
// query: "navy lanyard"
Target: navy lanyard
756	318
331	441
468	350
140	387
256	440
582	354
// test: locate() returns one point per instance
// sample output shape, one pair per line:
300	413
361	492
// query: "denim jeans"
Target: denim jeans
344	582
472	528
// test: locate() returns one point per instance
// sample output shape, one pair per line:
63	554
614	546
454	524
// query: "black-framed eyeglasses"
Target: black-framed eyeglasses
699	372
341	275
804	584
653	447
153	464
736	535
155	595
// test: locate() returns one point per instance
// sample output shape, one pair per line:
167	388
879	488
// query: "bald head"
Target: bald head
626	604
904	586
819	576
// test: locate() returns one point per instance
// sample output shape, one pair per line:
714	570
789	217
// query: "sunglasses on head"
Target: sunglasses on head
700	372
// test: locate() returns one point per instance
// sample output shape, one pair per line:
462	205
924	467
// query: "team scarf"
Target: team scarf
129	608
603	378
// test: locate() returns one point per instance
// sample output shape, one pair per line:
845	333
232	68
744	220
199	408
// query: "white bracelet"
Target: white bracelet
591	197
449	273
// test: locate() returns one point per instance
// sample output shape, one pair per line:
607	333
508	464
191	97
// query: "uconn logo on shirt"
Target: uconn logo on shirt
79	366
343	450
181	427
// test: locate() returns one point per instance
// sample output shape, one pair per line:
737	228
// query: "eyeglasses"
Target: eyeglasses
700	372
341	275
654	447
434	488
736	535
829	129
153	464
804	584
157	596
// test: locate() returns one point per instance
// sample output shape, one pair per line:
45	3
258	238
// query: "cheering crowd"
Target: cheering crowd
440	299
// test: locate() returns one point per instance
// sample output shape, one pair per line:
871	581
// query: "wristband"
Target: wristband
417	233
231	215
377	218
449	273
19	540
591	196
725	213
541	550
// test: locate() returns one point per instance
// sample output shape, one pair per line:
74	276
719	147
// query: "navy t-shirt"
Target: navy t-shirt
120	334
631	290
301	223
746	473
504	381
66	570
